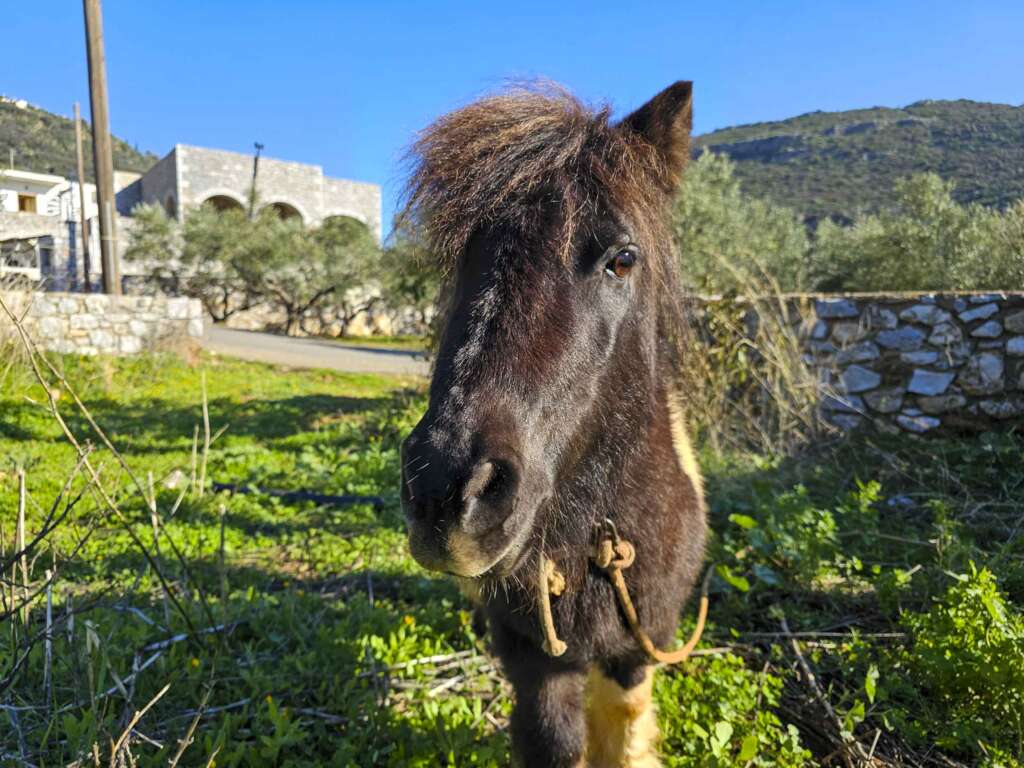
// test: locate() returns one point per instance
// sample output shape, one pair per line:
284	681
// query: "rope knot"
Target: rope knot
614	556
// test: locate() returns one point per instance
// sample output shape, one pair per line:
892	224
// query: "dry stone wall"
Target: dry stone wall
921	363
91	324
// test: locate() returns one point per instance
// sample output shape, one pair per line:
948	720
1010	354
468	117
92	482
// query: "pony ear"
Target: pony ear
665	122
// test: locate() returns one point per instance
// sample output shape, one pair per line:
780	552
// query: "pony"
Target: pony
555	416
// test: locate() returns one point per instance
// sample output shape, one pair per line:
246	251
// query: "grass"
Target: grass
891	568
405	343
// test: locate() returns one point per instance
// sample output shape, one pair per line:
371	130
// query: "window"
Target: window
26	203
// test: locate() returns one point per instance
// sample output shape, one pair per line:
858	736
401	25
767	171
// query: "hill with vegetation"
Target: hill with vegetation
838	164
45	143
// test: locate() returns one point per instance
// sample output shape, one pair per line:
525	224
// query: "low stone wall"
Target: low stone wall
90	324
920	362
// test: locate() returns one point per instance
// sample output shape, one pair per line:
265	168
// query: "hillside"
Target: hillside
45	143
837	163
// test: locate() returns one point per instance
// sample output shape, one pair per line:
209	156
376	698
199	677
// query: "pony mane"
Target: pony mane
494	161
499	160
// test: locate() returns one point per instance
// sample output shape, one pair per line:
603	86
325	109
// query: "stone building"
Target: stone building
190	176
41	215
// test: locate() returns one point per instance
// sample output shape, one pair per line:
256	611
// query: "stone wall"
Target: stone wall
90	324
920	362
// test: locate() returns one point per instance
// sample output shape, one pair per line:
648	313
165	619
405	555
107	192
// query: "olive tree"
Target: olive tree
410	276
201	258
727	240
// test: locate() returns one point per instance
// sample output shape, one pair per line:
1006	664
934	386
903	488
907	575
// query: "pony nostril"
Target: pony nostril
491	481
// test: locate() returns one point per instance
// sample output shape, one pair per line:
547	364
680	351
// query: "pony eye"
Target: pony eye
621	263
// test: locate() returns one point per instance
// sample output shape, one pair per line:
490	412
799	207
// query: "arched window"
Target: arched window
285	211
223	203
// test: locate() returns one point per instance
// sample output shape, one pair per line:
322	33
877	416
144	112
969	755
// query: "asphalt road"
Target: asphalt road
311	353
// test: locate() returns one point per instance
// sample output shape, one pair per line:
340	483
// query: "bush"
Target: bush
726	238
966	662
930	242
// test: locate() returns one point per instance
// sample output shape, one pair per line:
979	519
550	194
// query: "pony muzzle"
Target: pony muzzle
466	522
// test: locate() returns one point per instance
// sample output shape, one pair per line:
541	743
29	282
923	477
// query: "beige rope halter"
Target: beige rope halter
612	554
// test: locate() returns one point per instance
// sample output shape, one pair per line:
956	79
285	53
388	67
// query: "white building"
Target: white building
40	215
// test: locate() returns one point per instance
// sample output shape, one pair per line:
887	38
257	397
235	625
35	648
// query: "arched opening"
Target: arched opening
171	207
222	203
285	211
343	221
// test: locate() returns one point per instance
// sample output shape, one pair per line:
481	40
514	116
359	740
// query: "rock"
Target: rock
944	334
990	344
845	421
44	307
983	374
917	424
130	345
985	298
820	330
885	400
102	340
843	404
177	308
978	313
51	327
68	306
97	303
905	339
924	382
990	330
1015	322
84	322
821	349
959	305
928	314
942	403
138	328
1002	409
856	378
195	327
828	309
922	357
847	332
900	502
863	352
881	318
1015	346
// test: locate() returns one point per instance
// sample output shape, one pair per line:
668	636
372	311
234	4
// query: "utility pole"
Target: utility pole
84	224
255	172
102	151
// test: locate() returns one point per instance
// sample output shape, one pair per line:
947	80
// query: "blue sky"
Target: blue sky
346	84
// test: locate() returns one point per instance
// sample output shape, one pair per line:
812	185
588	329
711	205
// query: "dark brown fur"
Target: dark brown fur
550	396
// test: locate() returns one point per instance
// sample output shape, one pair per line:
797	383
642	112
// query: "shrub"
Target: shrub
966	662
929	242
726	238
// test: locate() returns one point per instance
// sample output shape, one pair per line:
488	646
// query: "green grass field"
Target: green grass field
287	634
